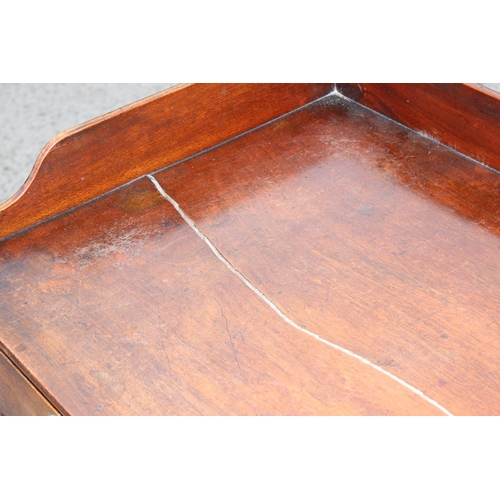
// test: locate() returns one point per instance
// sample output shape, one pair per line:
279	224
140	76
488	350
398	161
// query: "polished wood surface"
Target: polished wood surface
128	311
369	235
352	267
18	396
102	154
465	117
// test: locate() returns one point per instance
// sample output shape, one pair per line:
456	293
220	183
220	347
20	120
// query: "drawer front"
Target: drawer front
18	396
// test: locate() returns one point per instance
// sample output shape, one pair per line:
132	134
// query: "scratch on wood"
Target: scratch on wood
457	268
230	338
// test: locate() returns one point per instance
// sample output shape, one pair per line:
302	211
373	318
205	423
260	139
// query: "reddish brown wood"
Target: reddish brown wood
107	152
465	117
368	234
118	307
17	395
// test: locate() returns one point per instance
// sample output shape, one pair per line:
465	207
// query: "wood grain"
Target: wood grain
368	234
119	308
98	156
465	117
18	396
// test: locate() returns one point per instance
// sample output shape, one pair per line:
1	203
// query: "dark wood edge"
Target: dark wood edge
462	116
28	383
107	152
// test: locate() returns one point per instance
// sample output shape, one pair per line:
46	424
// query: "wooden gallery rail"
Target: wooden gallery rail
260	249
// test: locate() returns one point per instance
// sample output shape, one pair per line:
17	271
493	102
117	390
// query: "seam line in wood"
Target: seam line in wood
416	131
278	311
238	136
164	167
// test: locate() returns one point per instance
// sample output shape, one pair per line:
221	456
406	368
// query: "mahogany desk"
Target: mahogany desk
300	249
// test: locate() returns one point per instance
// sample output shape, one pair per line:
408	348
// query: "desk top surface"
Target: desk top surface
373	253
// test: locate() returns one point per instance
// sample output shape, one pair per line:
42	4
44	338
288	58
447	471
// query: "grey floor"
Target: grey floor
32	113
